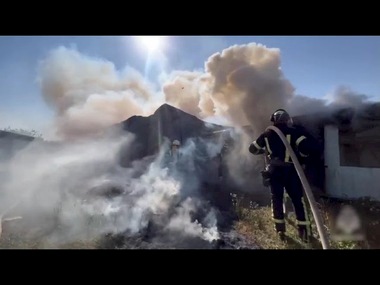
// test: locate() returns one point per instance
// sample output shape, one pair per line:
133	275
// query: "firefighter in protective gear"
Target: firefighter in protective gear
281	173
174	149
173	155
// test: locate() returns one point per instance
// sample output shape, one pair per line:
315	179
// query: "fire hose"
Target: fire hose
309	194
7	219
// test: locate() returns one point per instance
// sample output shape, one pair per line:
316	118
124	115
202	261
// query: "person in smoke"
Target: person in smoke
280	172
173	155
226	148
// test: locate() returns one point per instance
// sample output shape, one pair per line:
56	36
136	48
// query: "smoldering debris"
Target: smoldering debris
77	191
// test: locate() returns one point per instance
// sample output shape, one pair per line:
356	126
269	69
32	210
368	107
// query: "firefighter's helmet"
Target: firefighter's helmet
280	116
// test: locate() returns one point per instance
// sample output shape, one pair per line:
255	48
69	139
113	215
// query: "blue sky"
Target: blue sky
314	65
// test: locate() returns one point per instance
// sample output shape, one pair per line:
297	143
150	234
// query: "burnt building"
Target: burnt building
350	163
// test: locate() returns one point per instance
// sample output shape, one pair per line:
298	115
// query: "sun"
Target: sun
151	43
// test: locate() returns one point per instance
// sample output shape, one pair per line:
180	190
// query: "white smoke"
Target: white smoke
74	182
182	224
245	84
241	85
89	94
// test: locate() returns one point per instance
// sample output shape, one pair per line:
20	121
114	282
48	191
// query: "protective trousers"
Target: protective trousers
287	177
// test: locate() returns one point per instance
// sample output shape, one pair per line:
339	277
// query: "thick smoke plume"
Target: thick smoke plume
78	191
89	94
242	84
245	85
78	180
341	97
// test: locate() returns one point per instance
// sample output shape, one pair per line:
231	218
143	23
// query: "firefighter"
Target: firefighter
280	172
173	155
174	151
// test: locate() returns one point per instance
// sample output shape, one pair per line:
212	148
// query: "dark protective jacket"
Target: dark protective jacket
302	144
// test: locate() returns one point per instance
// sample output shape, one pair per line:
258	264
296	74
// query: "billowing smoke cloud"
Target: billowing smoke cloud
89	94
78	191
183	91
345	97
243	83
82	182
341	97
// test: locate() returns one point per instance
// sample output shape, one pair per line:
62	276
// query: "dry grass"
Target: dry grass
256	224
20	234
16	241
369	214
